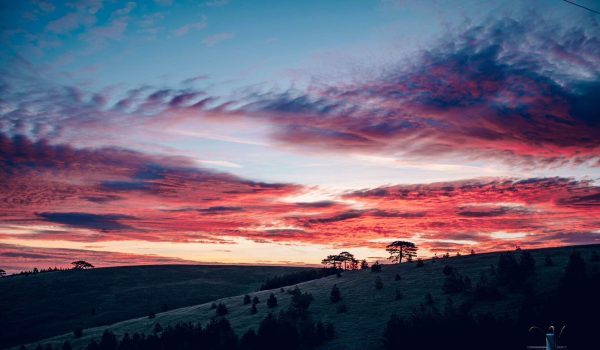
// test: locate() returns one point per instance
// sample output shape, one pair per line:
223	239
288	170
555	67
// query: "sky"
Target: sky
278	132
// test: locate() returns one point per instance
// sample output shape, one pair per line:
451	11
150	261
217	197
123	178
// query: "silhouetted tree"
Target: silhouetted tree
247	299
272	301
364	264
81	264
376	267
157	328
378	283
420	263
472	252
2	273
221	309
78	332
335	294
400	249
108	341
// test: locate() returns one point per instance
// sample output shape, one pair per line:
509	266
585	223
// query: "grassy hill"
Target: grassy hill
368	308
42	305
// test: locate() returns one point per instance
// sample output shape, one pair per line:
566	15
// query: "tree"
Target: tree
364	264
420	263
255	300
376	267
335	294
247	299
2	273
221	309
272	301
401	249
78	332
81	265
157	328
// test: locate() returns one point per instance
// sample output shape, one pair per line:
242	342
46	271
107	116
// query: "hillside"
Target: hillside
38	306
368	309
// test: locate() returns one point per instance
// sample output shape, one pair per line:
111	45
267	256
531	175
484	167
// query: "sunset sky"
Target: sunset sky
277	132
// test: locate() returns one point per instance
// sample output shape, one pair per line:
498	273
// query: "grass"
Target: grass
368	309
39	306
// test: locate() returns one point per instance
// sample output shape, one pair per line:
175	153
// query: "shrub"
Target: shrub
335	294
342	309
272	301
376	267
447	270
78	332
255	300
397	277
420	263
253	309
378	283
247	299
221	309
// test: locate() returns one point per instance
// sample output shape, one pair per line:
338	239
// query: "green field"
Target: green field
42	305
368	309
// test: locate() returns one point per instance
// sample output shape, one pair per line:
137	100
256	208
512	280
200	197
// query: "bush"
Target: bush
447	270
335	294
253	309
221	309
272	301
397	277
378	283
78	332
420	263
342	308
247	299
376	267
255	300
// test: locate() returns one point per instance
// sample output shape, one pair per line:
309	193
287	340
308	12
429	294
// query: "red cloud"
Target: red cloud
59	192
